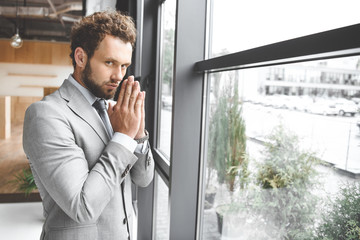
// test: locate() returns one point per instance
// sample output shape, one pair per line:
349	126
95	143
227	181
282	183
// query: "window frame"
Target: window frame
340	42
188	88
162	162
184	175
183	181
335	43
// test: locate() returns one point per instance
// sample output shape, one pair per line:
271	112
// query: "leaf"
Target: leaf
25	181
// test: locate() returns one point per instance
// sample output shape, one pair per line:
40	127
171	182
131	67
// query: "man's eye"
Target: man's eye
109	63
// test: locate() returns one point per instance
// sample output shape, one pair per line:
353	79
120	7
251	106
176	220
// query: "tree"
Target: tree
227	150
227	139
285	201
341	218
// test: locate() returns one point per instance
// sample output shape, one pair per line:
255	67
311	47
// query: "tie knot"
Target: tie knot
100	104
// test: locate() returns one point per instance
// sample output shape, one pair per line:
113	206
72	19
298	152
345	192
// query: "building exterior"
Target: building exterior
339	78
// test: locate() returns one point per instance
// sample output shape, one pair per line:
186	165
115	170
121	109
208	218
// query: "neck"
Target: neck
77	76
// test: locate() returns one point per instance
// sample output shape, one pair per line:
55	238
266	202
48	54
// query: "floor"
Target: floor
20	221
12	159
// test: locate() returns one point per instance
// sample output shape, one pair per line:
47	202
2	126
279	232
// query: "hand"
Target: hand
141	132
126	115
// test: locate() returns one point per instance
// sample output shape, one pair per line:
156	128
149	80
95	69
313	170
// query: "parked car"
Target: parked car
166	101
302	103
346	107
323	108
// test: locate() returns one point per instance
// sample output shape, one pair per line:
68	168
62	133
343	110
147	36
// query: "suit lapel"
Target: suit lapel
81	107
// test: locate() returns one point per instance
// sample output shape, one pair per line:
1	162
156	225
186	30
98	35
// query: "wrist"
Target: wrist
143	138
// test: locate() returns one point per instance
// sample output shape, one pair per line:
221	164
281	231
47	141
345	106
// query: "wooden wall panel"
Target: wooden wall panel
19	106
60	54
36	53
5	120
39	51
25	54
49	90
7	52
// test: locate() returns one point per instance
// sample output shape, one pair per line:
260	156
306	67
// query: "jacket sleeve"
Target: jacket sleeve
61	167
142	172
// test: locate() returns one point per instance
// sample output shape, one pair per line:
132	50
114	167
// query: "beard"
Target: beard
93	86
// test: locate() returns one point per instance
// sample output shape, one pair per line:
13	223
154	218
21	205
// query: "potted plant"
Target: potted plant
25	181
341	217
285	203
227	148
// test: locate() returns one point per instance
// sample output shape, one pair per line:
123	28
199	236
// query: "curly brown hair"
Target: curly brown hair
92	29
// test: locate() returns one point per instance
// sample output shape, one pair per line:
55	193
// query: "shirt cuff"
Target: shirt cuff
125	140
142	147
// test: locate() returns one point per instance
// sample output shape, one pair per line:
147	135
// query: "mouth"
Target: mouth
112	85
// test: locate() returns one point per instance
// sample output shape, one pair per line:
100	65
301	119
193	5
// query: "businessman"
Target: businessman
84	149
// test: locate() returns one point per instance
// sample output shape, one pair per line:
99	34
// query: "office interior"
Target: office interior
235	90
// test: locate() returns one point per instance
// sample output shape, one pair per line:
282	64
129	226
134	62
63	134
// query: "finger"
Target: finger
142	124
128	91
110	109
121	94
139	104
143	105
134	94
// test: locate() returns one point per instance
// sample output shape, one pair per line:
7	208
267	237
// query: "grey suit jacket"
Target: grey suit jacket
83	178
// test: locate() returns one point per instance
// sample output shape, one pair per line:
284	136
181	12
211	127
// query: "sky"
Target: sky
244	24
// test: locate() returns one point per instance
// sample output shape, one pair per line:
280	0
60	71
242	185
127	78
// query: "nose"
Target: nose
118	74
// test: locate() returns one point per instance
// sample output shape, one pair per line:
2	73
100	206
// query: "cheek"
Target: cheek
101	74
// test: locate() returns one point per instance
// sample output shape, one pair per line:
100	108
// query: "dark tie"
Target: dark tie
100	107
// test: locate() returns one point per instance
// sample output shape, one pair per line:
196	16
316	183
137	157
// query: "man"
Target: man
84	160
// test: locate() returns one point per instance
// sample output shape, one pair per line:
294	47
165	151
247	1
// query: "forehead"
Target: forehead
114	48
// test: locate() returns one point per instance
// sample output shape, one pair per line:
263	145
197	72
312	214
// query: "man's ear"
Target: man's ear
80	57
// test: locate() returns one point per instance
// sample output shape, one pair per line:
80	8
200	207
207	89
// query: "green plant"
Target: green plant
25	181
227	140
341	219
286	177
227	151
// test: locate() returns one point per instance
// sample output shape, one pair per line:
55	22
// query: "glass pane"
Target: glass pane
166	74
162	216
240	25
282	152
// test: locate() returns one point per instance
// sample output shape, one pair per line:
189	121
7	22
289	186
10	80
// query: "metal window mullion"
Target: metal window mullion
186	118
333	43
162	165
148	21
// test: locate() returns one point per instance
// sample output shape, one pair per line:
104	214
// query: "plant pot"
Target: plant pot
220	219
209	199
231	223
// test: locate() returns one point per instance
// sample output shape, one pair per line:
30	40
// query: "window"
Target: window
200	92
241	25
166	74
259	141
178	166
278	144
161	210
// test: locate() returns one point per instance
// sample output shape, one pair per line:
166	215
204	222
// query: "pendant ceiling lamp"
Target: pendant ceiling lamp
16	41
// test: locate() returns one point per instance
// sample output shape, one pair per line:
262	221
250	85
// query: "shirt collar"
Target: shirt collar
87	94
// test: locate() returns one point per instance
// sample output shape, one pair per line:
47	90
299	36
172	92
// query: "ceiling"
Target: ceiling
41	20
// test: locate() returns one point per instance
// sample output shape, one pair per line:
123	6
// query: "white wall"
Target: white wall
15	85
